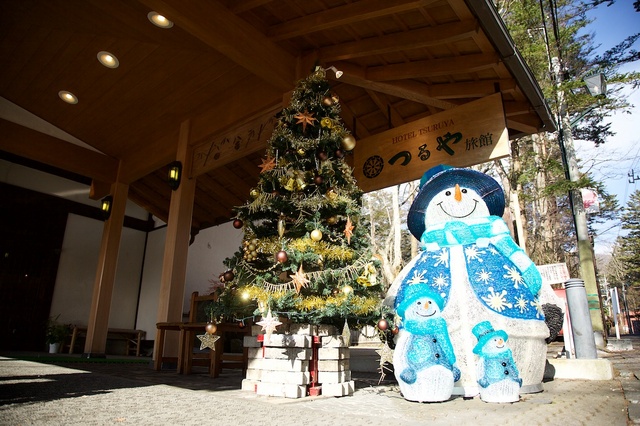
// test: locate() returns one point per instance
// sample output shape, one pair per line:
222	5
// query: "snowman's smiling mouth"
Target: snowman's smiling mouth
425	315
462	216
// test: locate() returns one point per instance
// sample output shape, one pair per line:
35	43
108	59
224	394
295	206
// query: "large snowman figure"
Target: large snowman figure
471	261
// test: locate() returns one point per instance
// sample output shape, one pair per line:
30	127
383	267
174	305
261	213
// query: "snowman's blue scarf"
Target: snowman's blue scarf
501	275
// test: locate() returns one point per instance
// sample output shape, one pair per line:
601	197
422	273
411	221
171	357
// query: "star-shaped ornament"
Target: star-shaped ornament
268	163
299	279
348	230
305	118
208	341
269	324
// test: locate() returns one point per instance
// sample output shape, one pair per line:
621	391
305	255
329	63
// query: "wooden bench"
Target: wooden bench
132	338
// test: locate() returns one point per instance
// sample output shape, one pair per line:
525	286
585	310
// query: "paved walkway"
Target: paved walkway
73	393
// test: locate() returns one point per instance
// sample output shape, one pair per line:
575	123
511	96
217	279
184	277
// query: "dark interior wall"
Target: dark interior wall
32	228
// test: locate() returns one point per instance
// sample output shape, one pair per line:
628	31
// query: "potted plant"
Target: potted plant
56	333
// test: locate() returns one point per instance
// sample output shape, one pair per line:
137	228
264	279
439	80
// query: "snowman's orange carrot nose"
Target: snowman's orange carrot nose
458	195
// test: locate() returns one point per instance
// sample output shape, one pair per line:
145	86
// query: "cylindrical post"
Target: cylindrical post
583	338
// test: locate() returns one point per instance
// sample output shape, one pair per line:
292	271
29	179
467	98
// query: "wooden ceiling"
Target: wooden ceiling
227	62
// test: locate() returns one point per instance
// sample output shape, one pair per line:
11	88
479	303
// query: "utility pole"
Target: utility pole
585	251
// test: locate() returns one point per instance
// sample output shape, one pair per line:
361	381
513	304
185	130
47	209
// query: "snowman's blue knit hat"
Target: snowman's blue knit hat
442	176
412	292
484	332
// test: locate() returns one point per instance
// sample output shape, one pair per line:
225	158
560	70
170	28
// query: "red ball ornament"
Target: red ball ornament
339	153
282	256
318	180
241	324
383	324
228	276
237	224
322	155
395	330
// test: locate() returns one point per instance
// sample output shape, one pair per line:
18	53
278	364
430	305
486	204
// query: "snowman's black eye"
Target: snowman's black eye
419	303
447	193
464	190
429	302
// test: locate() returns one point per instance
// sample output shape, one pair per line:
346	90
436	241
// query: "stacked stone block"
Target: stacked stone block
306	361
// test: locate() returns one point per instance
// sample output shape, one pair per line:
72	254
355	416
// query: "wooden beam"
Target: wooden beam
411	90
46	149
471	89
342	16
218	27
416	39
463	64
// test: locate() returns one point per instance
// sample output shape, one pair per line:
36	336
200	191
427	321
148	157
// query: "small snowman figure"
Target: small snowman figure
423	360
497	373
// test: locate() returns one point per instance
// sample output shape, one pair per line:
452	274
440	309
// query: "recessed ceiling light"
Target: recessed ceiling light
68	97
159	20
108	60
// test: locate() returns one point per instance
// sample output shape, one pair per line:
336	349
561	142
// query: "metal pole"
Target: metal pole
583	337
585	253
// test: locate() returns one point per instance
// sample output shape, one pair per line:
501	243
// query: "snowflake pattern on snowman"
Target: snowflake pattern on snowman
502	277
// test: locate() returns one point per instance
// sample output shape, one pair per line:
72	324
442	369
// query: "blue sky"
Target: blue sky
611	162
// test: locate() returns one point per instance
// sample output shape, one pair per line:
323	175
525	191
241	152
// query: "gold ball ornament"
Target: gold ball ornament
254	193
316	235
331	194
327	100
347	289
332	220
210	328
301	152
327	123
348	142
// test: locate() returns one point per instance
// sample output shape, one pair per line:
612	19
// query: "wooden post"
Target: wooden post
174	265
98	323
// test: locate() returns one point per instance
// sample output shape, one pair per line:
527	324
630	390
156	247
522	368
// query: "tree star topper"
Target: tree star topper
208	341
304	118
299	279
348	230
268	163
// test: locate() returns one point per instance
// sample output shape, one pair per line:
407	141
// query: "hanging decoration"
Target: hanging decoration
208	341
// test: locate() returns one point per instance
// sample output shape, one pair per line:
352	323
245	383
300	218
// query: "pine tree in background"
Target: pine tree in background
306	252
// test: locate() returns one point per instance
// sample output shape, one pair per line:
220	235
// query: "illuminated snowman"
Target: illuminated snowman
471	261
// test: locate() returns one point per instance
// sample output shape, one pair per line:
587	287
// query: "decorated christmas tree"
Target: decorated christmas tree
306	252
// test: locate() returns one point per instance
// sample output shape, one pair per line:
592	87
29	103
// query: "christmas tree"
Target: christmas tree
306	252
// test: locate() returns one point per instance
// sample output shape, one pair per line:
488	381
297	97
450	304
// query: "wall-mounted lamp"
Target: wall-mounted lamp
175	174
105	206
596	84
335	70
